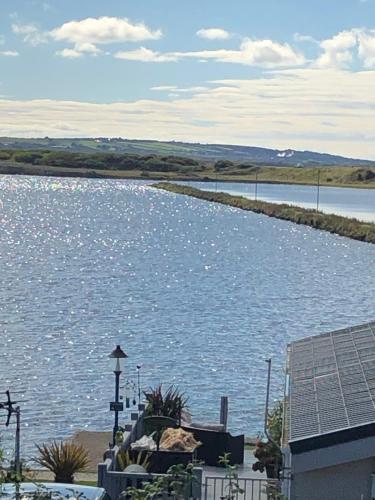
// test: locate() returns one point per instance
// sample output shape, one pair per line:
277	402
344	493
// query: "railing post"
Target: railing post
102	469
196	487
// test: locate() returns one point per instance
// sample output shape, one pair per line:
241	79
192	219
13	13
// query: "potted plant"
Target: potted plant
169	403
64	459
268	452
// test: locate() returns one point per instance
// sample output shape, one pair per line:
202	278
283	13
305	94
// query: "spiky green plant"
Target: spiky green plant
124	458
64	459
167	404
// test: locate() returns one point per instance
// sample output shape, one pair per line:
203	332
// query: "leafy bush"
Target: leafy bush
269	453
4	155
223	164
63	459
177	483
27	157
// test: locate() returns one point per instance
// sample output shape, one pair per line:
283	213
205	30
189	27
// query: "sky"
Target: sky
272	73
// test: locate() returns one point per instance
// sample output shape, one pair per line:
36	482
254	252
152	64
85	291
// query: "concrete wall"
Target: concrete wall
349	481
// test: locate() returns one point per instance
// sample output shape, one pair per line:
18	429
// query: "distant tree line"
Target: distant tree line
120	161
104	161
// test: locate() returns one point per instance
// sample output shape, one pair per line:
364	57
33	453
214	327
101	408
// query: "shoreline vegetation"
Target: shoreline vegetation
174	168
336	224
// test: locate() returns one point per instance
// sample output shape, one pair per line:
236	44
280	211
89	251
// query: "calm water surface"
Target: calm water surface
198	293
349	202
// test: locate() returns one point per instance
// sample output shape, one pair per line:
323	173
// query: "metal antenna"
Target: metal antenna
11	409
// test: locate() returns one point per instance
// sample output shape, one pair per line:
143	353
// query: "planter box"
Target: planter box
161	461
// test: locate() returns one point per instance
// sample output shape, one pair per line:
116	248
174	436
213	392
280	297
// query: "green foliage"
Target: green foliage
102	161
275	422
268	453
4	155
64	459
223	164
125	458
27	157
231	475
167	404
177	484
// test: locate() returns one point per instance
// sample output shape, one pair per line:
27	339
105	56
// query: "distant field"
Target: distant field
198	151
171	167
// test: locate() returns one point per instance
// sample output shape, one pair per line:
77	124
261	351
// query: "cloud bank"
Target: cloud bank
263	53
296	108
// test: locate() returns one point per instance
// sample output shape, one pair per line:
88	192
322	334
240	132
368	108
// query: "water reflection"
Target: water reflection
198	293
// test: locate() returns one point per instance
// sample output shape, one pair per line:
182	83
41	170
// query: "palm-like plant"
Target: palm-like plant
63	459
124	459
167	404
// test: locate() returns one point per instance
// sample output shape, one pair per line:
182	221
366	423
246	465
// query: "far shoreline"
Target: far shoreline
49	171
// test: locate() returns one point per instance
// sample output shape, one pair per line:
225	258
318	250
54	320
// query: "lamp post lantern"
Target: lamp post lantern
117	357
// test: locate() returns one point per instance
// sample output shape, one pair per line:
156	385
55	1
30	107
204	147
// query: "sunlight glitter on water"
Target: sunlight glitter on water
197	293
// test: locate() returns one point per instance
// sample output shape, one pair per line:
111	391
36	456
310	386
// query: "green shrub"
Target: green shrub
27	157
63	459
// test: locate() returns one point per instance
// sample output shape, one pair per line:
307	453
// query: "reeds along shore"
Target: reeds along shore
343	226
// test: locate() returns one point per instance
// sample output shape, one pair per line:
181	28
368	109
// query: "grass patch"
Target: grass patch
343	226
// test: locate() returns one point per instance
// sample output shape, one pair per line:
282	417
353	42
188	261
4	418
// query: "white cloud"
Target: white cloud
342	41
104	30
86	34
297	37
180	90
292	108
69	53
366	48
213	34
9	53
146	55
341	49
30	33
337	50
79	50
264	53
163	88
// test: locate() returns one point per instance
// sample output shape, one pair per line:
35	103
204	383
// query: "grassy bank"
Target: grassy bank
343	226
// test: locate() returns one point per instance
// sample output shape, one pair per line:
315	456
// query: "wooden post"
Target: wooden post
224	411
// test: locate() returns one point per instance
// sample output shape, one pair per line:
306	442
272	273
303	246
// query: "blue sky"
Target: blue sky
278	73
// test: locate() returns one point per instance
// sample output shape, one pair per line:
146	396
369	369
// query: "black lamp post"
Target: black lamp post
117	356
139	383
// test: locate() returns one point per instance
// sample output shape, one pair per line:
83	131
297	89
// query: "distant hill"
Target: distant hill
209	152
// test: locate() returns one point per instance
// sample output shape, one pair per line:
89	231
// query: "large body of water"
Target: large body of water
197	293
349	202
